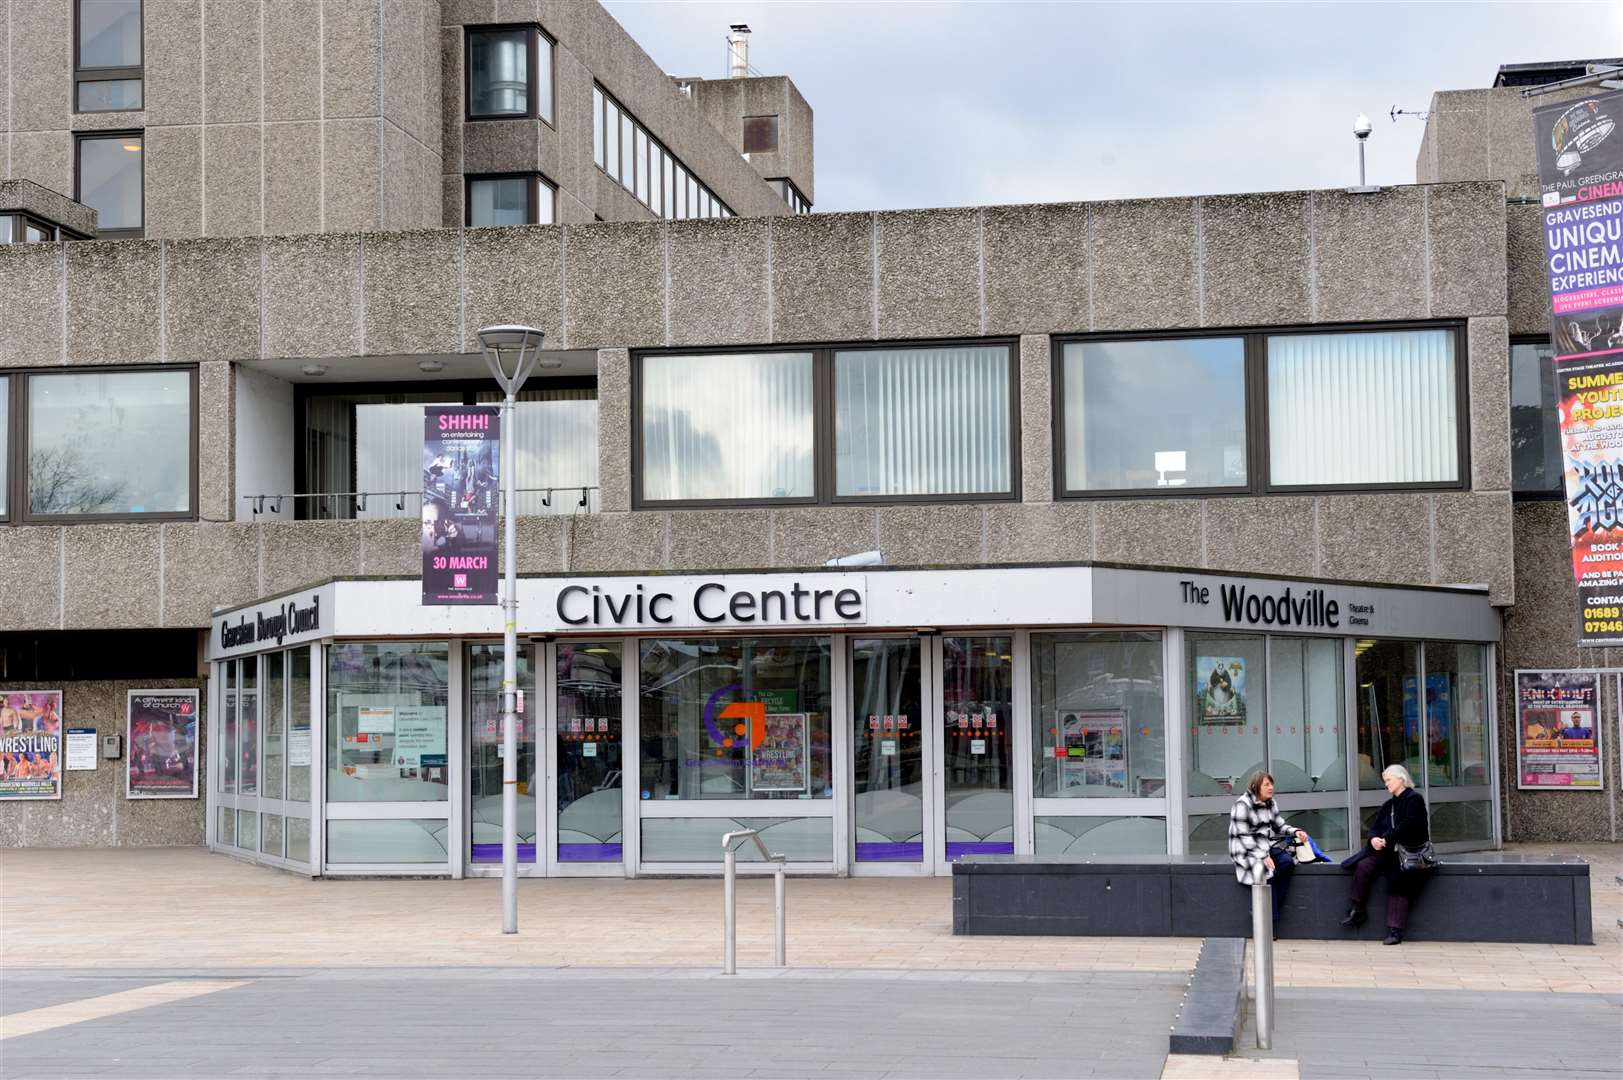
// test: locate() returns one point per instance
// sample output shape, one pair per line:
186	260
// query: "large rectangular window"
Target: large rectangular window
110	443
1099	719
522	199
1535	423
509	73
386	722
107	71
634	158
109	179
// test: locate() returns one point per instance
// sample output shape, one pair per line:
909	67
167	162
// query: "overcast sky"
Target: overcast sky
944	104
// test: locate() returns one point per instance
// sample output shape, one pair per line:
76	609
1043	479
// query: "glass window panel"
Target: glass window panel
7	224
1456	716
597	126
611	144
760	134
1306	746
727	426
628	150
485	757
1535	424
499	72
299	749
248	726
297	833
110	180
642	165
228	740
117	442
1101	835
668	205
1228	711
977	699
369	443
248	830
386	706
35	232
555	446
693	198
698	840
656	179
543	77
1388	710
109	33
270	834
1208	833
5	446
1456	822
226	831
1155	414
888	731
545	201
590	811
1100	720
735	718
397	840
274	710
501	201
1362	408
923	421
110	95
1328	827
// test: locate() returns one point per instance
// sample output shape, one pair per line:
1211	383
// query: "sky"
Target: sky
959	104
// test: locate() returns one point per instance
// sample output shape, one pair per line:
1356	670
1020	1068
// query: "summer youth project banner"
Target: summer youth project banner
162	756
1558	730
461	504
1580	164
31	744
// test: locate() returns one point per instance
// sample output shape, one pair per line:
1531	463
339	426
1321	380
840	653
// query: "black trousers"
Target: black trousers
1284	868
1398	891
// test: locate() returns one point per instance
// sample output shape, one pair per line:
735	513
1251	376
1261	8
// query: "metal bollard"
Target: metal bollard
777	887
1262	955
729	897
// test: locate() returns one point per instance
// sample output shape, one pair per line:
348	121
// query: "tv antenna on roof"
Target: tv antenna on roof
1417	114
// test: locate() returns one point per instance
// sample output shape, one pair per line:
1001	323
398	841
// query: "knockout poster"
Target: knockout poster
31	744
1558	730
1580	165
461	504
162	745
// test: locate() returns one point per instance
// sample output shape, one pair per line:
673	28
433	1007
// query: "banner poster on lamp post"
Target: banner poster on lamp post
461	503
1580	166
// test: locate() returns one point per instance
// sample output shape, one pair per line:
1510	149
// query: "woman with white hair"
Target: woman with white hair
1400	822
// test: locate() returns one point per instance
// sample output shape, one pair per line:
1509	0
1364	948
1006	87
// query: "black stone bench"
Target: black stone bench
1213	1009
1478	896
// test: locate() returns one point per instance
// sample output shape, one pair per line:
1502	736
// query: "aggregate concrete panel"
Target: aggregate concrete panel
297	553
211	294
929	273
1036	268
542	542
1542	629
84	815
629	542
514	275
113	312
467	12
451	194
1148	532
720	539
810	536
718	282
1511	154
1039	532
1145	264
922	534
411	291
1475	545
216	440
232	186
350	58
1527	287
1488	343
1370	253
173	182
172	73
31	576
107	576
121	120
207	564
51	205
614	285
451	97
31	287
312	295
431	89
41	67
1384	538
1458	130
292	68
1036	419
499	146
352	181
614	430
292	178
1465	228
232	92
1254	259
401	41
45	157
822	277
1272	535
392	546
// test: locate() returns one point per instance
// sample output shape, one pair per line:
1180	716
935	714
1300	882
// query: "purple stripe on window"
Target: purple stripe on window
493	853
957	849
899	851
590	853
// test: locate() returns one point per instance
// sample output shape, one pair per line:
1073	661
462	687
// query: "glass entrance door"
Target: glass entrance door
977	752
590	797
485	757
888	753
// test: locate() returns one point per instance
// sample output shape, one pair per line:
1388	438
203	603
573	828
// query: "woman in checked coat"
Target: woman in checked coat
1260	841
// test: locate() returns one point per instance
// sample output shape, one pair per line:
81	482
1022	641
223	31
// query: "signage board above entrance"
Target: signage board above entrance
272	624
776	601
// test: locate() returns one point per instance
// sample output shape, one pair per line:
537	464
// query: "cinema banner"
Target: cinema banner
1558	731
161	754
461	504
1580	162
31	744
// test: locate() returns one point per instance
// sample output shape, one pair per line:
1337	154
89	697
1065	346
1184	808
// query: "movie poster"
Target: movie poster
1558	730
162	744
30	744
461	504
1220	690
779	763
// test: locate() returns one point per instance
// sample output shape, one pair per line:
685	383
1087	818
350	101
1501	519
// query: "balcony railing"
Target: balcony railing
345	505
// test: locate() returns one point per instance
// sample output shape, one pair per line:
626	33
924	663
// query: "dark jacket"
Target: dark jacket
1402	820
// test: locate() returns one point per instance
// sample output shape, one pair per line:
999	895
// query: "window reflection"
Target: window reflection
590	810
1535	427
386	707
1388	710
110	443
485	756
1099	725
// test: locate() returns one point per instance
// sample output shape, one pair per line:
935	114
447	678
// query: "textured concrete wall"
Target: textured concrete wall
47	205
724	104
93	810
1485	135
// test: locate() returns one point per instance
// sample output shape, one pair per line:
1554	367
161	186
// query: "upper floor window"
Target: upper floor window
509	73
109	179
760	135
519	199
790	194
107	55
638	162
1535	423
25	229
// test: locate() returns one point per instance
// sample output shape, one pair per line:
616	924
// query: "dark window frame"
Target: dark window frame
17	448
82	137
654	141
536	34
823	436
1258	481
532	212
83	75
1524	494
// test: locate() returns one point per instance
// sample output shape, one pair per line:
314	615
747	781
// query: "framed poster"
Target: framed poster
1092	751
161	759
1220	690
1558	731
780	762
31	744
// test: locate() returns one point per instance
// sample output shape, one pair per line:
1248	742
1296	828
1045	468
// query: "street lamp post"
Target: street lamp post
519	346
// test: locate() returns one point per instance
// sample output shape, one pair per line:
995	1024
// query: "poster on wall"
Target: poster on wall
461	504
780	762
1092	751
1220	690
162	744
31	744
1580	165
1558	731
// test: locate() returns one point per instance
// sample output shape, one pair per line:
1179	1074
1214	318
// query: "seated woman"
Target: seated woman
1400	820
1259	839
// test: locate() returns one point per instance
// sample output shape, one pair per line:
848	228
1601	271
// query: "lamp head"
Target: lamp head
511	336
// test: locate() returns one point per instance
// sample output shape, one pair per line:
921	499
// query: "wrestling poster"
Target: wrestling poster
30	744
1580	162
461	504
161	758
1558	731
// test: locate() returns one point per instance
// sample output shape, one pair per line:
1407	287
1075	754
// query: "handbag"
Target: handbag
1410	860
